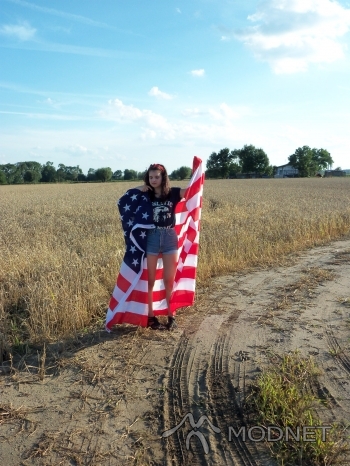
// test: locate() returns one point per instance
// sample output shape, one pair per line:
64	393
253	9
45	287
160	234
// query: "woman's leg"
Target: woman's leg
169	270
151	268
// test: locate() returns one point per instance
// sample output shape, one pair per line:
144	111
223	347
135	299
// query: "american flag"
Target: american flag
129	301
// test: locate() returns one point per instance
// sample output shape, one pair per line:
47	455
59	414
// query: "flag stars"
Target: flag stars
133	249
134	197
143	234
145	216
130	223
135	262
126	207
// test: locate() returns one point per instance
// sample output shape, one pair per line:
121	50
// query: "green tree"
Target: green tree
48	173
73	172
141	175
31	176
67	173
235	168
252	159
219	164
61	172
184	172
130	174
91	176
309	161
117	175
23	167
10	170
3	179
82	177
323	158
104	174
174	175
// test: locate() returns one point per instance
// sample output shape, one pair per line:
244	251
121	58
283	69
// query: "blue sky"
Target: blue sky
128	83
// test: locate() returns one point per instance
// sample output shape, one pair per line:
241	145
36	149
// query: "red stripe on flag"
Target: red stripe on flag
122	283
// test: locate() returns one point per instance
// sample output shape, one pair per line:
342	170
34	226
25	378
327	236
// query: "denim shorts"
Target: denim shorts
161	241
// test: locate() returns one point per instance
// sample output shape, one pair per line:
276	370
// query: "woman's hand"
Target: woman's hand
144	188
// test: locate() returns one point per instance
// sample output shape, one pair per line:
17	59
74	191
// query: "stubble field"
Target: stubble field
61	245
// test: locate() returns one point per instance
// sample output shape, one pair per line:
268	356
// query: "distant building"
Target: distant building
329	173
286	171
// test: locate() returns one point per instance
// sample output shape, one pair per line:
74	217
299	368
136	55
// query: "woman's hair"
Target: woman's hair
165	186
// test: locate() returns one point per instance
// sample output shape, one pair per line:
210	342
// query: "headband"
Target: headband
157	166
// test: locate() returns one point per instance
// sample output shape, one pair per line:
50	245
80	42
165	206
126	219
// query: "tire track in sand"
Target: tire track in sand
199	382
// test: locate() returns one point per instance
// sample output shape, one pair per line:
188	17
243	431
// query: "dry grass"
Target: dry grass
61	246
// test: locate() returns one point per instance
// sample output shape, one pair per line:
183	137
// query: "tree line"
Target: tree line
34	172
223	164
252	160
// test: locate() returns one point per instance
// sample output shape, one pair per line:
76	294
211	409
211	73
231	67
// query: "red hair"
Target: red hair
156	166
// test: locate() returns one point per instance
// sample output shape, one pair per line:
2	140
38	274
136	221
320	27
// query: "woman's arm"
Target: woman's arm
143	188
182	192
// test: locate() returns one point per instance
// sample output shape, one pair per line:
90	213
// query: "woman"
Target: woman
145	286
162	240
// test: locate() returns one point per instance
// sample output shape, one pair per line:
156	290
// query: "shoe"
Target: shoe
171	324
154	324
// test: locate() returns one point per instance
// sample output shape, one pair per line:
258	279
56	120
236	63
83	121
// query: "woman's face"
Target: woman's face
155	178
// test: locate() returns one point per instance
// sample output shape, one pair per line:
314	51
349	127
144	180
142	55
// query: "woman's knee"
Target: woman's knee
168	282
151	282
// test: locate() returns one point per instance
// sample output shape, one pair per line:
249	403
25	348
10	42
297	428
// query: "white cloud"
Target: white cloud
291	34
78	149
193	112
156	92
128	113
154	126
22	31
178	10
198	73
223	112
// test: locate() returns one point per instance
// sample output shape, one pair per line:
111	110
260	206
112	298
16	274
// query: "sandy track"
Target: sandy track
107	400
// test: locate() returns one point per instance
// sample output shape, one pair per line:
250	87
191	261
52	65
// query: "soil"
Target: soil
112	399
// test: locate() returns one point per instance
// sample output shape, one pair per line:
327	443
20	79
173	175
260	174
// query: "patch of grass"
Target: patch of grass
281	397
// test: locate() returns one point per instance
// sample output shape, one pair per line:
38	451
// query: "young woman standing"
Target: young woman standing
162	240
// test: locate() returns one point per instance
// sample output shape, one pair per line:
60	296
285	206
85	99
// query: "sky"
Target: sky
123	84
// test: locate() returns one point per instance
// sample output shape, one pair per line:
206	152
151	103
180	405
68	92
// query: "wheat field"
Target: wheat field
61	245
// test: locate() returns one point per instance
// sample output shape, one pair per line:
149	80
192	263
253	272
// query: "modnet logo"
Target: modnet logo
252	434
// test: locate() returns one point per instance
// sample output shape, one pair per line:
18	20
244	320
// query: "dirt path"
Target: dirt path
108	399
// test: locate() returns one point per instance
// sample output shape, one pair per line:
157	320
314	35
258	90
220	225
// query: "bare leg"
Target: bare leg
169	270
151	267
